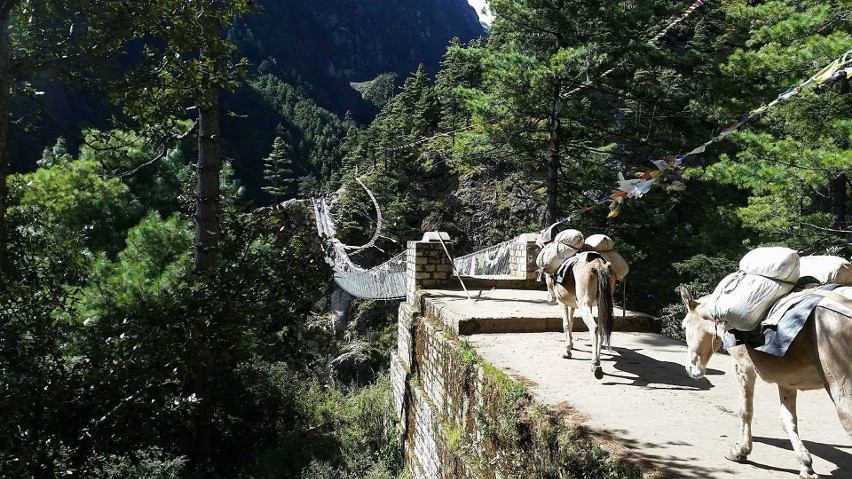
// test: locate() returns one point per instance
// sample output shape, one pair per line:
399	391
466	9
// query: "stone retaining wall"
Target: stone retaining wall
461	418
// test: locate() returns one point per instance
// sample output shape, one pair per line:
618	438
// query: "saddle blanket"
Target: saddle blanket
786	319
568	265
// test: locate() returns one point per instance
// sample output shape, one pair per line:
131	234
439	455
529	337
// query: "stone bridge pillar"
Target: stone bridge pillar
427	264
524	253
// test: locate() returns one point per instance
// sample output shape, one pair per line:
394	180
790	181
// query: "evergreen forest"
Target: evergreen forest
163	316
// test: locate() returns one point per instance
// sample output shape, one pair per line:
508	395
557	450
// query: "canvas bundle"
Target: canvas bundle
826	269
742	299
604	245
600	243
552	255
774	262
572	238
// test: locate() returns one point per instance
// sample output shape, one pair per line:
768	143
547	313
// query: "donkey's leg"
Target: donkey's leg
550	281
841	393
567	327
789	422
746	376
599	340
594	334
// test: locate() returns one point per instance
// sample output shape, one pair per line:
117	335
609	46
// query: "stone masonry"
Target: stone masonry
427	264
524	253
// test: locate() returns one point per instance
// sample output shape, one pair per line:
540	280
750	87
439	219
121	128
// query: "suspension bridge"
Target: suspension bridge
386	281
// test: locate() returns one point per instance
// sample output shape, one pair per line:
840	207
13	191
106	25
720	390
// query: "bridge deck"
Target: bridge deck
645	404
513	311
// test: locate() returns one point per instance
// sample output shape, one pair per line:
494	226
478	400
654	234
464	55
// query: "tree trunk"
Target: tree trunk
555	163
208	166
5	85
839	196
553	178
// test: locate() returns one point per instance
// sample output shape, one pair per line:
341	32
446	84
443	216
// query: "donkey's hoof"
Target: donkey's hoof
731	456
566	355
598	373
808	475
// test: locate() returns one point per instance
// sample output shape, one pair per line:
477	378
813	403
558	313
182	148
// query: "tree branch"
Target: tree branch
161	153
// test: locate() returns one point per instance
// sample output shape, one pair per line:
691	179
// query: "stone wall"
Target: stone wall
428	264
461	418
436	394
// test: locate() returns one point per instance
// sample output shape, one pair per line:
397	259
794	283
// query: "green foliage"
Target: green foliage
191	57
73	201
151	463
788	172
534	111
155	261
315	134
349	435
379	90
277	171
461	69
155	175
705	272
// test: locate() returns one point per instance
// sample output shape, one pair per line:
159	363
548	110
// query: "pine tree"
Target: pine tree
534	105
193	60
793	161
461	69
61	40
278	171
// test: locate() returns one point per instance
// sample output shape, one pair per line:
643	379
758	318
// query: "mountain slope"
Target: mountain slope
331	43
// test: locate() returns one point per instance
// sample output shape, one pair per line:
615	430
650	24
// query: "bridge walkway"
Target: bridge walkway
645	405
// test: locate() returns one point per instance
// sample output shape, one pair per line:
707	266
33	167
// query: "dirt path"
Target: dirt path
648	403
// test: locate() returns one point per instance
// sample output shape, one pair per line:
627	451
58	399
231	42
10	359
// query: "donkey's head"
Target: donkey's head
703	334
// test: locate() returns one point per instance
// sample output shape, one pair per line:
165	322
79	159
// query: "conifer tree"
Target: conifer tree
277	171
793	161
461	68
65	39
540	52
192	60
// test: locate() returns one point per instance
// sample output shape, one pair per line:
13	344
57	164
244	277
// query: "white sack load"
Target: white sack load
826	269
572	238
742	299
774	262
600	243
617	262
553	255
604	245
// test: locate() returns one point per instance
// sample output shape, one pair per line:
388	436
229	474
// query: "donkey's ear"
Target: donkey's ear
687	298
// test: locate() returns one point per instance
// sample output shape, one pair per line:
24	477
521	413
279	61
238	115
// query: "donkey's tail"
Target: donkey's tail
606	317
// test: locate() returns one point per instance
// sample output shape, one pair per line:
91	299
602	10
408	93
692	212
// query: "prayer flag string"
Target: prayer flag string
637	187
683	16
656	38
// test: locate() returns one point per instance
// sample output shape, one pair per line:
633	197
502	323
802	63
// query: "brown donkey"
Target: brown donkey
819	358
590	285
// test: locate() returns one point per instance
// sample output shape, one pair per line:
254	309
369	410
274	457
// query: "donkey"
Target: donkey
819	357
590	284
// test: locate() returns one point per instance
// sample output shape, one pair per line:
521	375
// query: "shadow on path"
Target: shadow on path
653	373
665	466
833	453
